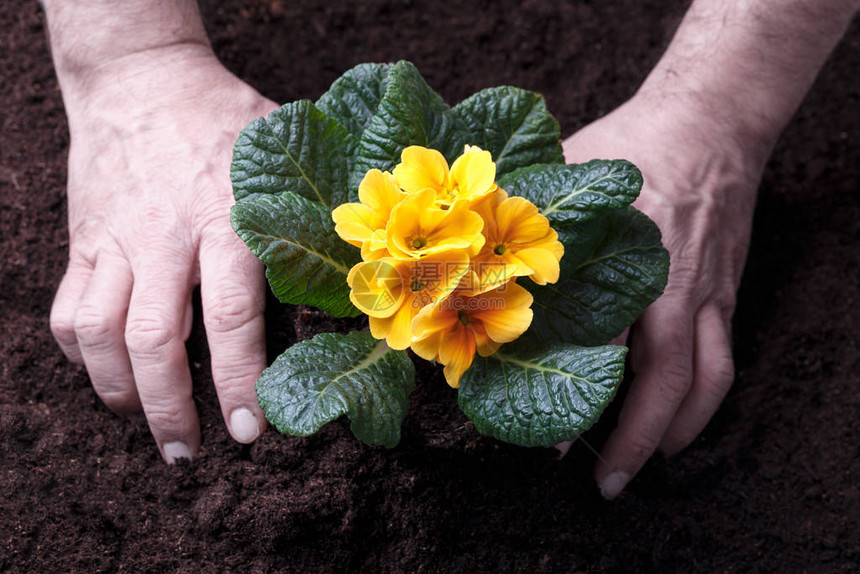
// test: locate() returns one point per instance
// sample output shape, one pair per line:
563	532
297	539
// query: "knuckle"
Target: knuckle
93	327
167	415
63	327
724	301
235	379
231	310
148	337
721	378
676	375
641	447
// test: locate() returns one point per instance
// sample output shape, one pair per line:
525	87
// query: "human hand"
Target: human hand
700	185
149	197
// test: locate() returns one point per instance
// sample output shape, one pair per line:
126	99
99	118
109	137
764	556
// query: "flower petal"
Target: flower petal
434	318
486	346
519	221
456	352
355	222
507	313
543	262
400	336
380	327
422	168
473	174
459	223
417	228
428	347
379	191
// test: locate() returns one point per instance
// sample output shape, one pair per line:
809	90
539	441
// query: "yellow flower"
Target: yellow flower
519	242
471	177
393	291
417	228
450	331
363	224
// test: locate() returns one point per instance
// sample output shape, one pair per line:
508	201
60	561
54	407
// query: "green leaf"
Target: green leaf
306	261
609	280
514	126
298	149
353	98
410	113
541	398
568	194
316	381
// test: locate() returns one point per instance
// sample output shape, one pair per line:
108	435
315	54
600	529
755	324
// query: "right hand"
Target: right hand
149	198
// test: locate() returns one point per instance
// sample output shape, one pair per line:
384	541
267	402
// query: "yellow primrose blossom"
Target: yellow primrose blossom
451	331
440	250
393	291
363	224
519	242
471	177
417	228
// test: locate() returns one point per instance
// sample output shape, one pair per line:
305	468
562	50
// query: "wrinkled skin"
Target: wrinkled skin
700	185
149	196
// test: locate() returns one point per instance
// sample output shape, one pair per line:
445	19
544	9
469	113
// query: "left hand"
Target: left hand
700	190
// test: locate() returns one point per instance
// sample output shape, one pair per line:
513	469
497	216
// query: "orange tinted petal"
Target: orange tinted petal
434	318
543	262
520	221
506	314
456	352
400	336
428	347
486	346
380	327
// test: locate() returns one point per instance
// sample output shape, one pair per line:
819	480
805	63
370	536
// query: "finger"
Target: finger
65	307
233	295
154	335
662	362
564	447
714	374
100	331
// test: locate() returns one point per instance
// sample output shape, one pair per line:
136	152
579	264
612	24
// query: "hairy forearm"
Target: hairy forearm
88	36
747	64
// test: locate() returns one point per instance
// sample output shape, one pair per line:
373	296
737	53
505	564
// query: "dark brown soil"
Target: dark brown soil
773	484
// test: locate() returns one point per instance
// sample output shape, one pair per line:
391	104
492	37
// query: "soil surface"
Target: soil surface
772	485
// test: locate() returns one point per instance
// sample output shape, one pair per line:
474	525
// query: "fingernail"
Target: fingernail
244	425
173	451
613	484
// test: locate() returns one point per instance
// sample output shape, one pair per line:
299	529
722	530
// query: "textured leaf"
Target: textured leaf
568	194
541	398
317	381
605	285
410	113
353	98
514	126
306	261
297	148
